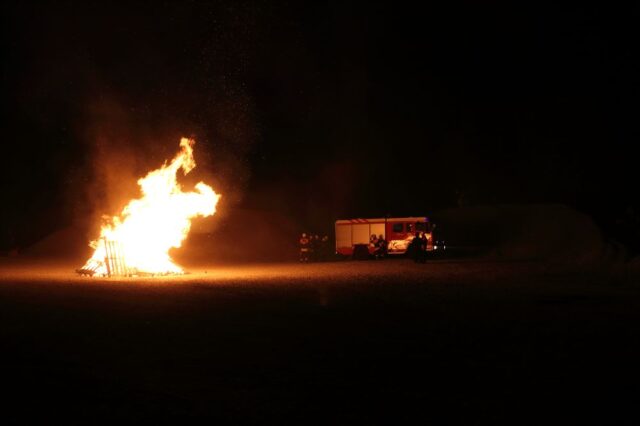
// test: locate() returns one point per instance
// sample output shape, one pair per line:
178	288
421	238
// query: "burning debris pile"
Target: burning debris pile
137	242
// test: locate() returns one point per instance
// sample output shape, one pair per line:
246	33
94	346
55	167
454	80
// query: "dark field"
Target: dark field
459	342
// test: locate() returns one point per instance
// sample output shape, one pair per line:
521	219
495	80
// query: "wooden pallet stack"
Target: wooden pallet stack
113	265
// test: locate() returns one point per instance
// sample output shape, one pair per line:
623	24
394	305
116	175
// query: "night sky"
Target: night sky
318	110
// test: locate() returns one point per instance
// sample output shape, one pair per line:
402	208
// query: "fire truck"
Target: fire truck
397	231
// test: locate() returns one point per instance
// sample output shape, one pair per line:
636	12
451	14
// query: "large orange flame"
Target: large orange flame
148	227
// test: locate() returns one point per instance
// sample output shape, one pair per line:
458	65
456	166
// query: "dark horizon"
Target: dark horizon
317	111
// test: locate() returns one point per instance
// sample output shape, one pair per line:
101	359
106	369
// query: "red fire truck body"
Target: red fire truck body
397	231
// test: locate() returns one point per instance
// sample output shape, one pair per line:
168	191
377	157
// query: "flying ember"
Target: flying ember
139	239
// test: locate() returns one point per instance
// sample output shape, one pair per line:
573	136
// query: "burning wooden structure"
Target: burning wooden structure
138	240
114	263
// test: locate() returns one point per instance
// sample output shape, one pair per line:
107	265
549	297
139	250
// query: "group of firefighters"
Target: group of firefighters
316	249
379	245
313	248
417	249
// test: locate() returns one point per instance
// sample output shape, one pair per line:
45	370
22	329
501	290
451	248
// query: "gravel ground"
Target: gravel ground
451	341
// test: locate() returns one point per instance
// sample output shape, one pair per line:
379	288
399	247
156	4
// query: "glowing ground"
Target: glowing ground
455	341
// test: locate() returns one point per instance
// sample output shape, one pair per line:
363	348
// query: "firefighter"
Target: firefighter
373	244
304	248
381	248
423	248
415	247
